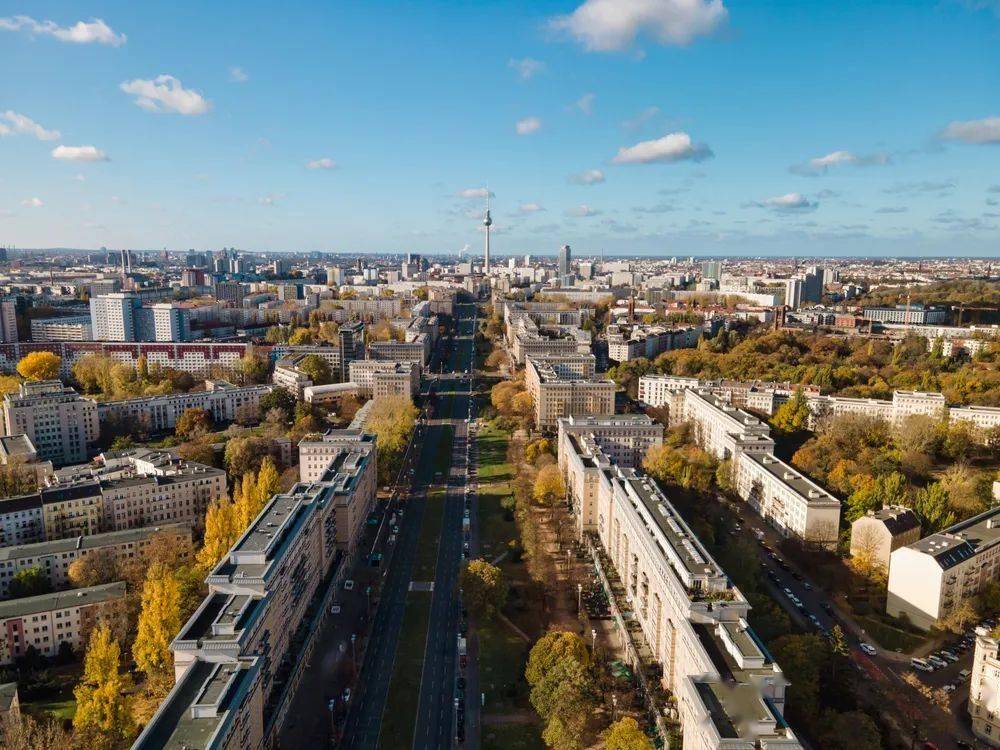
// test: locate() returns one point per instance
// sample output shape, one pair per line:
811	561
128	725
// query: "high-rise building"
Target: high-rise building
711	269
193	277
229	291
351	340
487	222
8	321
113	316
565	258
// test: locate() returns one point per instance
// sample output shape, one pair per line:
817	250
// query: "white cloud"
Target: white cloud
324	163
671	147
529	208
528	125
25	125
94	32
586	103
478	192
526	67
787	203
79	153
821	164
582	211
238	75
587	177
613	25
33	202
166	94
271	199
986	130
79	177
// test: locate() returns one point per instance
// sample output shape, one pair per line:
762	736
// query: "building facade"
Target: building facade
57	420
224	401
558	393
984	688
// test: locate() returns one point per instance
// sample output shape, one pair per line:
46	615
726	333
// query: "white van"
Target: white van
922	665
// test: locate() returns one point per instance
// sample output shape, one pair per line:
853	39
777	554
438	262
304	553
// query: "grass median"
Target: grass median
400	713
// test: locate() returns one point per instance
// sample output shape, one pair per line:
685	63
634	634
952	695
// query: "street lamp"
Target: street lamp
579	598
354	652
593	637
614	707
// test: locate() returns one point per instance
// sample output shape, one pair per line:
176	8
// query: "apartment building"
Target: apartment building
787	499
47	621
223	400
658	390
67	328
627	343
54	558
625	438
381	378
287	375
879	532
322	457
759	396
242	653
729	692
930	578
821	407
558	392
123	316
21	520
56	419
720	428
8	320
907	314
984	688
417	349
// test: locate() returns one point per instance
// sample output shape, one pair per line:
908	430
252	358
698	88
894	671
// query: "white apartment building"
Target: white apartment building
416	350
649	341
720	428
49	620
381	378
787	499
287	375
253	626
907	314
224	401
113	316
729	692
981	417
58	422
658	390
54	558
930	578
625	438
557	395
984	688
69	328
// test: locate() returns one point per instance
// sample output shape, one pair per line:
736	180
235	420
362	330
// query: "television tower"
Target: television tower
487	222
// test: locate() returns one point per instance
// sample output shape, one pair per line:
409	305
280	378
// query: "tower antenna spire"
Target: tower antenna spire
487	222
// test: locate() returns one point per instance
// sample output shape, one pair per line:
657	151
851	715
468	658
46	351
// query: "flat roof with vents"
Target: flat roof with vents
963	540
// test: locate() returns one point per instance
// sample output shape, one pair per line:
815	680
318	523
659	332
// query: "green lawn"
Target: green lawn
890	637
493	466
502	656
400	712
495	530
512	737
425	564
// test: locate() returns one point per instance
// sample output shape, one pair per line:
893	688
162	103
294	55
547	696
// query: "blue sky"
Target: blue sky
668	127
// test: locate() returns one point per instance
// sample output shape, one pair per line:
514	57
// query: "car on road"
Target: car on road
347	695
867	648
349	585
335	609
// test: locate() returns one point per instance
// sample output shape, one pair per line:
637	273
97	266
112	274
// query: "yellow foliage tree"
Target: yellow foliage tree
221	532
549	485
39	366
9	384
159	622
103	718
268	483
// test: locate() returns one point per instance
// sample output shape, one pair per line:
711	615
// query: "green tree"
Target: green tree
29	582
564	733
103	718
877	492
300	337
792	415
483	587
245	453
625	734
932	506
278	398
317	369
852	730
550	649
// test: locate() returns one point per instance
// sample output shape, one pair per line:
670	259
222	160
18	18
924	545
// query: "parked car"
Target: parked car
937	661
921	665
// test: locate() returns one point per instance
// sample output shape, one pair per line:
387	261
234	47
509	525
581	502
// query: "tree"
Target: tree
564	734
268	483
300	337
792	415
278	398
932	506
193	421
852	730
251	369
94	568
497	358
549	486
392	419
159	622
9	384
39	366
19	731
550	649
625	734
103	718
317	369
878	492
483	587
221	533
244	454
17	478
536	448
29	582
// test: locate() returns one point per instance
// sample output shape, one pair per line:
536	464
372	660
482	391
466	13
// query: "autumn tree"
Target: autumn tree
39	366
483	587
792	415
625	734
28	582
9	384
932	506
103	718
549	487
244	454
221	532
278	398
551	648
159	622
392	419
316	369
193	421
17	478
19	731
94	568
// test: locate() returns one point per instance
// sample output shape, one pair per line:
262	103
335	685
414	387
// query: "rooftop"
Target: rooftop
94	541
793	479
33	605
963	540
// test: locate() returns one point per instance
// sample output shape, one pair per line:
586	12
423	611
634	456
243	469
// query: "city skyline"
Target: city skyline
633	128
